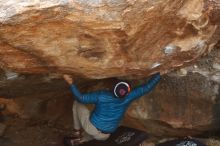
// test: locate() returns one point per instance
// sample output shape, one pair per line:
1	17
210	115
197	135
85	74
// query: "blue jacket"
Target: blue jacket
110	110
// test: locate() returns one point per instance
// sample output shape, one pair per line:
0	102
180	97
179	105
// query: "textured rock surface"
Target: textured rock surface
105	38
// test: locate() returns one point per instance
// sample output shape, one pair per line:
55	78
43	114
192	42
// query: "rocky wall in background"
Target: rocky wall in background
186	102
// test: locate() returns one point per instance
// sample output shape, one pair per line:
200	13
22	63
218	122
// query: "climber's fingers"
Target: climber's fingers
68	79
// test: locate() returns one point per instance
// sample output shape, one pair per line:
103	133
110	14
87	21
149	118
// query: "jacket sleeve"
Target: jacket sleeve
91	97
144	89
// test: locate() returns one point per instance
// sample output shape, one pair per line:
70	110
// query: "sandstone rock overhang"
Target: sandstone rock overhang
105	38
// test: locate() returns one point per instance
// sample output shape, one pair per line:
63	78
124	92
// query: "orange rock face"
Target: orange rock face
105	38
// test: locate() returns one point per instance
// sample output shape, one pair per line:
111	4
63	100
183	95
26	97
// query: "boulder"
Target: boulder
105	38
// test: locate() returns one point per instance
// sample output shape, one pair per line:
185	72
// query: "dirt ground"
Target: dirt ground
21	133
27	133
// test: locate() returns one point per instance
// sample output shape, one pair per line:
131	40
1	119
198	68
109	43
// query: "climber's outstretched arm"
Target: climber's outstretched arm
91	97
145	88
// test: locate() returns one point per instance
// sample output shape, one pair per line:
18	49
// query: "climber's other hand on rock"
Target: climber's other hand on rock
68	79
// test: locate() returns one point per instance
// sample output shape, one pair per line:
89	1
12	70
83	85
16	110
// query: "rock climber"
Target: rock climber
109	110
